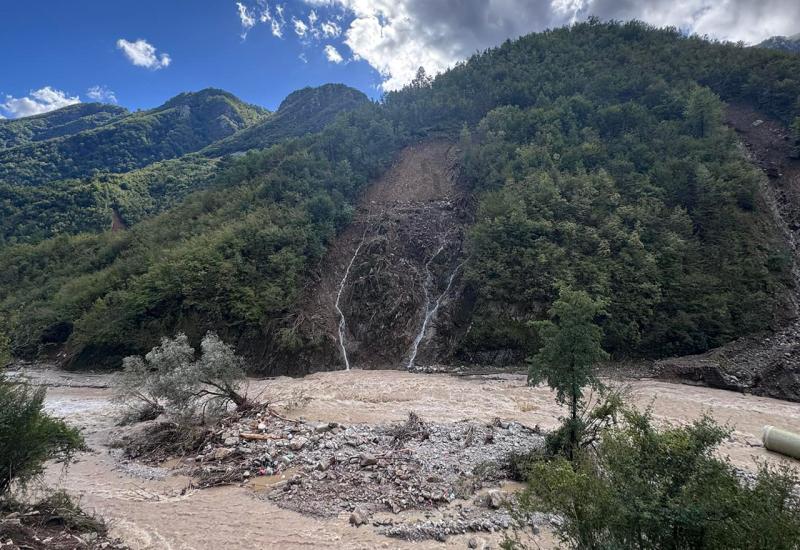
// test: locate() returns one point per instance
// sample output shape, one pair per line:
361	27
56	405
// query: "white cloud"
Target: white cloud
302	57
300	28
260	12
278	22
102	94
396	37
333	54
143	54
247	19
330	29
39	101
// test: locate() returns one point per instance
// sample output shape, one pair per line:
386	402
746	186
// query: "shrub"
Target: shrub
651	488
170	380
28	436
5	348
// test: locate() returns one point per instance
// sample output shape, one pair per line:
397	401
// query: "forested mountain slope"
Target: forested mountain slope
29	213
592	156
302	112
782	43
62	122
184	124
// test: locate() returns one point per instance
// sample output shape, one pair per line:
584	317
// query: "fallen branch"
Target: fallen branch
258	437
279	417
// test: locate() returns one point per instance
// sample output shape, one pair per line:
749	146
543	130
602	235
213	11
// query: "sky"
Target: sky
140	53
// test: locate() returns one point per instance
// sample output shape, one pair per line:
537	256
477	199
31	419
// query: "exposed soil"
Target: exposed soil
55	523
117	223
408	230
767	364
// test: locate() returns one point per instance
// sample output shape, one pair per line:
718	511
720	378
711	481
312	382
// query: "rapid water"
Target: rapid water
157	513
342	322
430	312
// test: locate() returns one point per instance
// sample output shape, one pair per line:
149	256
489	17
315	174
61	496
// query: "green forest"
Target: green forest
596	155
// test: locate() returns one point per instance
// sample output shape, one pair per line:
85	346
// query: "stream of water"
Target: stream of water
430	312
154	509
342	322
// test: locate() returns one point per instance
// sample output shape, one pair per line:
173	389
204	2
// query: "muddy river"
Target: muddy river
152	509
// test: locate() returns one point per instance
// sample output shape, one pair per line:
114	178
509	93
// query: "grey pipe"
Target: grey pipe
781	441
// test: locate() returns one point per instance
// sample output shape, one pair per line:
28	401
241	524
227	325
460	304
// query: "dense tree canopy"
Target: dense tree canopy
596	156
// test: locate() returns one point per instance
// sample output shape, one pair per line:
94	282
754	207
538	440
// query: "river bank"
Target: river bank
152	507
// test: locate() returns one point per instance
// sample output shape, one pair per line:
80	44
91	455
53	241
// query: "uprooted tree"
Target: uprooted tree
171	380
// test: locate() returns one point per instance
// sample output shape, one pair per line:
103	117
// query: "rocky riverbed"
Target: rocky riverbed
345	452
327	469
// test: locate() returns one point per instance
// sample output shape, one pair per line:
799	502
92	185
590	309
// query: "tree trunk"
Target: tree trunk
573	427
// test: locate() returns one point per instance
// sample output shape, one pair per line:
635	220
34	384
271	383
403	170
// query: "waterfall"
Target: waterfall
342	323
430	312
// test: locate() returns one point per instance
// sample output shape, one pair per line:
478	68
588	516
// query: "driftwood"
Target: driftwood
259	437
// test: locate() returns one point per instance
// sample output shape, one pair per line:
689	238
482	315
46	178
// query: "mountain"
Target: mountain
303	111
29	213
593	157
62	122
182	125
789	44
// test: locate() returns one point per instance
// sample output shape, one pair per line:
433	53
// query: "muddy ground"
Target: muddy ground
352	415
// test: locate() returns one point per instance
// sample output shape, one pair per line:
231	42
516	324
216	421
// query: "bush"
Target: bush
170	380
28	436
5	349
650	488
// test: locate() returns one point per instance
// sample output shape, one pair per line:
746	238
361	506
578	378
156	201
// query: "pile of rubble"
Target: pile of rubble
327	469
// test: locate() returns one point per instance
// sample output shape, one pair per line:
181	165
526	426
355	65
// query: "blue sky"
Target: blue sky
72	46
140	53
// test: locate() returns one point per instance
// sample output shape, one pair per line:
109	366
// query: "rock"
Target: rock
323	464
358	517
367	460
221	453
298	443
230	441
472	543
322	428
262	427
494	499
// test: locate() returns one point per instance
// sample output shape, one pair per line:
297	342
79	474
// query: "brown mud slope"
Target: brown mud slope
769	364
405	243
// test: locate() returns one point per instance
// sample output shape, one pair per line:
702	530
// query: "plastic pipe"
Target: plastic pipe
781	441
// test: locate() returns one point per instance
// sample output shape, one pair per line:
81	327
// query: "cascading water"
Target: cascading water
430	312
342	322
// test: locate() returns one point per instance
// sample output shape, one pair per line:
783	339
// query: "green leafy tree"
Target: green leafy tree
28	436
796	138
648	488
571	348
5	348
703	112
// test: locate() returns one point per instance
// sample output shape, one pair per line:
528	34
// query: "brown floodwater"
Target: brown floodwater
160	513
